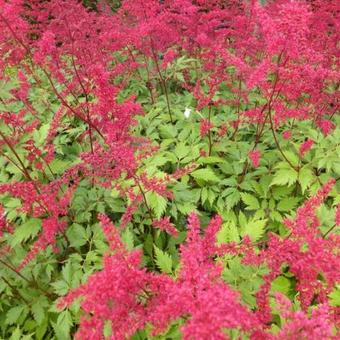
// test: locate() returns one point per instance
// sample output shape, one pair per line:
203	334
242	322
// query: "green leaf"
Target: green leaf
63	326
228	233
13	315
254	229
67	272
242	219
16	335
58	165
156	202
306	178
163	261
275	216
250	200
181	150
210	160
287	204
186	208
334	297
60	287
292	157
39	135
38	311
204	194
280	192
167	131
281	284
232	199
25	231
76	235
205	175
285	177
127	237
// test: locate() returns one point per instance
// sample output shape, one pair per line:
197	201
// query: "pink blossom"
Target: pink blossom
305	147
287	134
254	156
205	127
326	126
298	325
337	215
165	225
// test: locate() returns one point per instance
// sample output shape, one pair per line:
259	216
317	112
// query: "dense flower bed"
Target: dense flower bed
169	169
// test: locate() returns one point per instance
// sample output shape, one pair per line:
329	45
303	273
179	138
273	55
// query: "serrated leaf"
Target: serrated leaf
206	175
167	131
67	272
25	231
254	229
181	150
287	204
157	203
265	184
163	261
228	233
63	326
306	177
16	335
186	208
285	177
60	287
280	192
275	216
211	196
232	199
38	312
76	235
292	157
242	219
58	166
204	194
250	200
127	237
158	160
13	315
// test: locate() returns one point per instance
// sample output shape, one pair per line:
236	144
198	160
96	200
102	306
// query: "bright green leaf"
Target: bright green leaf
163	261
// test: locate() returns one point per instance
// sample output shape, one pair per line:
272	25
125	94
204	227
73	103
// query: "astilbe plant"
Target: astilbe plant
129	297
267	46
249	67
308	255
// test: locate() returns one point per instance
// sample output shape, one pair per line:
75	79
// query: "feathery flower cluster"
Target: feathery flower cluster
130	297
254	156
306	253
283	54
298	325
165	225
305	147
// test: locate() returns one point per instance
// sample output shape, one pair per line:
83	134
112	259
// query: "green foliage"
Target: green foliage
163	261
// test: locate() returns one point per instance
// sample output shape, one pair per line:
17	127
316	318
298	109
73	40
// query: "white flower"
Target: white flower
187	112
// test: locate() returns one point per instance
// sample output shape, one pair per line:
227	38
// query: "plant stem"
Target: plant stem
209	132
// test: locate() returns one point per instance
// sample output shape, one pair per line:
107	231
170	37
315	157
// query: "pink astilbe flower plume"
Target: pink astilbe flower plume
299	325
306	253
165	225
198	293
255	156
115	293
305	147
